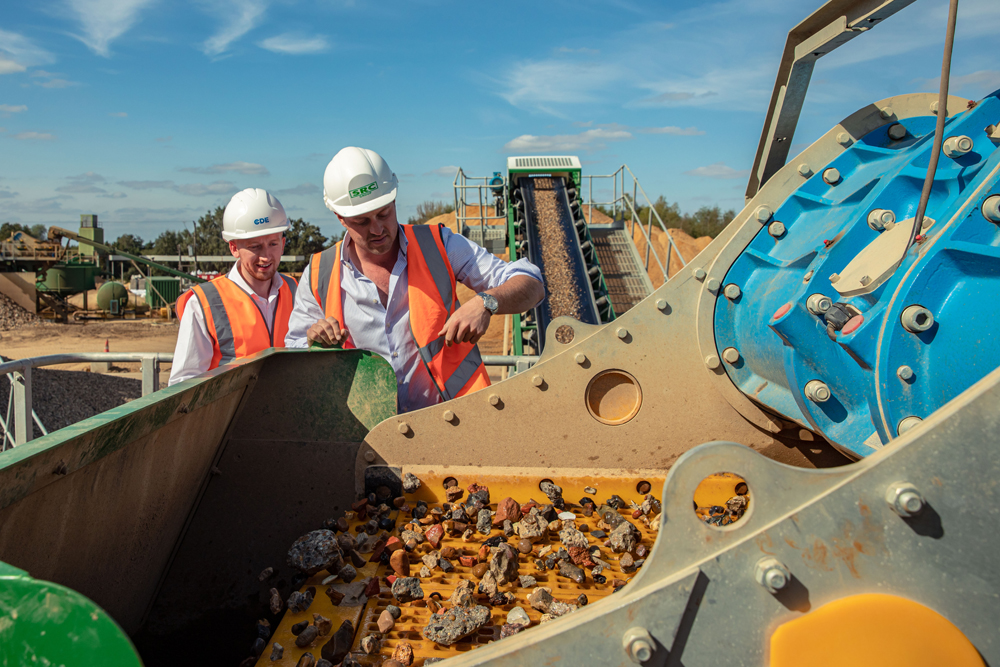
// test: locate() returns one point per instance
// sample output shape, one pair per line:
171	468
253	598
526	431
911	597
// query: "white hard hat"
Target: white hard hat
251	213
357	181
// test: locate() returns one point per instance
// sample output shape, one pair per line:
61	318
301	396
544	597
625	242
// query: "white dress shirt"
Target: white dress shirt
195	346
385	330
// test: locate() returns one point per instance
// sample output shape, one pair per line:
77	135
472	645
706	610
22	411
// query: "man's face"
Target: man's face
376	231
259	257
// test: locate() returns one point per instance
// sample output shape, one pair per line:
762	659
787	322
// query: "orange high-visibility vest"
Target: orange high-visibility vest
234	321
457	370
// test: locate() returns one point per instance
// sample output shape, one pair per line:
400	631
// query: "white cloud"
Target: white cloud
155	215
114	195
556	82
582	49
239	167
304	189
103	21
118	114
34	136
81	188
17	53
588	140
448	171
87	177
295	44
56	83
670	129
718	170
239	16
7	194
10	108
980	83
190	189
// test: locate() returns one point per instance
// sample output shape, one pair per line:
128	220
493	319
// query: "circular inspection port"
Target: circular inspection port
722	499
565	334
613	397
450	482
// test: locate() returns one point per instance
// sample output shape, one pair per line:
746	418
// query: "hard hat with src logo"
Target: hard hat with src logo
251	213
358	181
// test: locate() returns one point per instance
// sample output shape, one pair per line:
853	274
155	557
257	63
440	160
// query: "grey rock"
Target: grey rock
503	564
316	551
348	573
307	636
527	581
559	608
299	601
551	490
463	595
424	572
456	623
509	630
624	537
394	610
518	616
532	527
277	650
591	490
570	571
407	589
508	527
408	535
540	599
488	584
446	565
410	482
571	537
484	522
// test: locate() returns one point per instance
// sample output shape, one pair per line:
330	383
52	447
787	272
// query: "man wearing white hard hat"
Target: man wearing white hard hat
246	311
390	288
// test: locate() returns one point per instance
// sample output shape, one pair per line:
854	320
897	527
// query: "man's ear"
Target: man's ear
234	249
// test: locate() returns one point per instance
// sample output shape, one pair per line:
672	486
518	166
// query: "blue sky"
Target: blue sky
150	112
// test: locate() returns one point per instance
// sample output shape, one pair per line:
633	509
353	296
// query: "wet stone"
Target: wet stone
488	584
298	602
323	624
524	546
479	569
372	587
455	624
571	571
591	490
483	523
348	573
315	551
502	599
615	502
364	544
407	589
337	648
394	610
625	537
434	535
403	654
571	537
385	622
518	616
336	597
410	482
424	572
626	563
507	510
550	489
503	565
463	595
600	579
307	660
299	627
307	636
257	647
494	541
509	630
346	541
399	561
446	565
370	644
277	651
265	574
581	600
527	581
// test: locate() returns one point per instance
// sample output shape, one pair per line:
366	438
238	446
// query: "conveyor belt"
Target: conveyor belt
627	281
553	246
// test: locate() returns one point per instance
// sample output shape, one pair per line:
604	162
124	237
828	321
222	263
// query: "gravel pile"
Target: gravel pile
12	316
61	398
565	296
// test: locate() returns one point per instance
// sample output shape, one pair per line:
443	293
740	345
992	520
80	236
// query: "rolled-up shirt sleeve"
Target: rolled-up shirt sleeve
195	347
305	313
480	270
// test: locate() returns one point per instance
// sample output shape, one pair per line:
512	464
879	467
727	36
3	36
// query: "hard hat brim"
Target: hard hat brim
366	207
236	236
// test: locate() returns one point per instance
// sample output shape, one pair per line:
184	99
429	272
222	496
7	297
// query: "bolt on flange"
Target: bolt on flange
817	304
916	319
905	499
772	574
817	391
638	645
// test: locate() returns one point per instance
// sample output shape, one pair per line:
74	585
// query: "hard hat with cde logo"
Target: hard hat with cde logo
251	213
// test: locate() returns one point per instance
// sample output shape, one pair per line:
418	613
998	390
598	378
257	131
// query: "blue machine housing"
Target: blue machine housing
954	271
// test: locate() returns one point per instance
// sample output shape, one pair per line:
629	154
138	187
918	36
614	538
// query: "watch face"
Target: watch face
490	302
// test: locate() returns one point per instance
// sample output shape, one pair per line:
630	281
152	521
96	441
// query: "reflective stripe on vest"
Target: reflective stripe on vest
455	370
224	303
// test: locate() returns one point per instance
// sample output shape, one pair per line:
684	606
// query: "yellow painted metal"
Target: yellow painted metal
614	397
872	630
416	614
717	489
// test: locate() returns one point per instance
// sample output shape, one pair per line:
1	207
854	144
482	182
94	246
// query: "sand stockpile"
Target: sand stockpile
687	245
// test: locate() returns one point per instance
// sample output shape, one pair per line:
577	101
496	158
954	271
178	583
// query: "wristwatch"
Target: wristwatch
490	302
